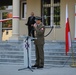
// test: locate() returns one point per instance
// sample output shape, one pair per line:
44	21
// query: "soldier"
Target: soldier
39	43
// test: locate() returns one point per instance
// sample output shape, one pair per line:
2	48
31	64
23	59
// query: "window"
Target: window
51	12
23	9
8	23
6	26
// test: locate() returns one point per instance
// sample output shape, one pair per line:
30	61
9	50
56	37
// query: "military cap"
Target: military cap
37	18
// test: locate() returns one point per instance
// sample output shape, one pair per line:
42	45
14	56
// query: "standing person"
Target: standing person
30	23
39	43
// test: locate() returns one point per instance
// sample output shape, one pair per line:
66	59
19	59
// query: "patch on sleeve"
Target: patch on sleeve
42	28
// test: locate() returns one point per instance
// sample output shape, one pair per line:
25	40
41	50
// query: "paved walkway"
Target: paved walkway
13	70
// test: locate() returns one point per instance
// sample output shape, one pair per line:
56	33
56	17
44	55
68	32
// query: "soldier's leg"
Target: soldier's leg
37	55
41	55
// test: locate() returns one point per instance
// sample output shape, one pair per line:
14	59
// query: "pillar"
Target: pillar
0	27
75	21
52	12
15	26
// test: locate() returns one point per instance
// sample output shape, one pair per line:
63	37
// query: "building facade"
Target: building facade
53	13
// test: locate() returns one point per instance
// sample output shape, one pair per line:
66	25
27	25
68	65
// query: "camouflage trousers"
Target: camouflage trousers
39	55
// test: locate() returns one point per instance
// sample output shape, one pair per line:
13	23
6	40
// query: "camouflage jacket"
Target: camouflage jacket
40	29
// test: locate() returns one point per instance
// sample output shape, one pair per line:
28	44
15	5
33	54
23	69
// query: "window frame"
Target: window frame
23	16
51	5
5	28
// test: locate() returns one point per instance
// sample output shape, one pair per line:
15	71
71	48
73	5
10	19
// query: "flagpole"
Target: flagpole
69	39
73	58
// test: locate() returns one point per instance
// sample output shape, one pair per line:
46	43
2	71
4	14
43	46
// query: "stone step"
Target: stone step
54	53
57	50
55	44
56	65
11	53
56	57
56	62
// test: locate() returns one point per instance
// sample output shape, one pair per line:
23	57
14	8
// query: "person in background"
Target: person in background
30	23
39	43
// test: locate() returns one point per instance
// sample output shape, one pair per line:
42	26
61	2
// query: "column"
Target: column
0	27
52	13
15	26
75	21
52	19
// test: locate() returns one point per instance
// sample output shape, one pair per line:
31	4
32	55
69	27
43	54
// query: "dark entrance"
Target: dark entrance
5	2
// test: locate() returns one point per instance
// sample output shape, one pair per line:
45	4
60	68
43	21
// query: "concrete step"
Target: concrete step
54	54
11	53
56	62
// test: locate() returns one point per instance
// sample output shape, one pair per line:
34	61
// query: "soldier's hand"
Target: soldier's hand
35	25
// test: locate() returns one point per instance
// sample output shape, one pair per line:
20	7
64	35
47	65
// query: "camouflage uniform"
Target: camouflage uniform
39	44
